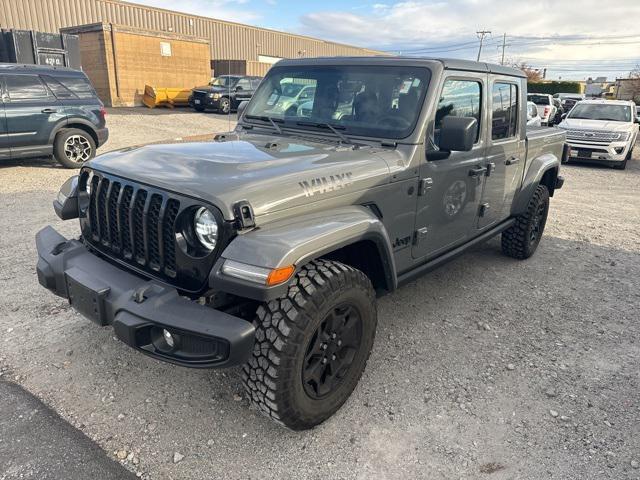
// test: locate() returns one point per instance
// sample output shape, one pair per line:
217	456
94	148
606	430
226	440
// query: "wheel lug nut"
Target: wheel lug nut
324	361
333	335
324	346
333	357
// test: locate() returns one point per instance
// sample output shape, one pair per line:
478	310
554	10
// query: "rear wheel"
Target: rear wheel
73	147
522	238
312	345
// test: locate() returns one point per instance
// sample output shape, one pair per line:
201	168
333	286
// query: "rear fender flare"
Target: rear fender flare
533	177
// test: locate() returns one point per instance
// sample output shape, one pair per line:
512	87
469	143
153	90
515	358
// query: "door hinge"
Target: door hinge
490	168
420	235
484	208
424	186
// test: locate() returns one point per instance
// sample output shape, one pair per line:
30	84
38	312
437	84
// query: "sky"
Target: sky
572	39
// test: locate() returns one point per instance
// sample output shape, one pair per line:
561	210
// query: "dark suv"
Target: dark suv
49	111
224	93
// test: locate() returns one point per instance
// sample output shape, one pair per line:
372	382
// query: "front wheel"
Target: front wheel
522	238
312	345
225	105
73	147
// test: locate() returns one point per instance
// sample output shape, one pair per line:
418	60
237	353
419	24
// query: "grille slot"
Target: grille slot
137	226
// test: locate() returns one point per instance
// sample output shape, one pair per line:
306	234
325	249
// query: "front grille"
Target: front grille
199	95
141	226
593	135
133	224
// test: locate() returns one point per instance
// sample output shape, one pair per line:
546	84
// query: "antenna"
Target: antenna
229	89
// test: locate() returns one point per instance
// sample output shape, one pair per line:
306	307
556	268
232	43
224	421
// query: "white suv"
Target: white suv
602	131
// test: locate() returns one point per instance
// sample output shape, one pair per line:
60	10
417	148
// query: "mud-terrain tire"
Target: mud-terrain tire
312	345
622	165
73	147
522	238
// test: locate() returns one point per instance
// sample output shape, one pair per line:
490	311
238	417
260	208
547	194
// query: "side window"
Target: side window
254	83
80	86
58	89
459	98
307	93
244	84
504	122
25	87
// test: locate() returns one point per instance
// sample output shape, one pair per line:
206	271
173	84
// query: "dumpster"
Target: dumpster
39	48
165	96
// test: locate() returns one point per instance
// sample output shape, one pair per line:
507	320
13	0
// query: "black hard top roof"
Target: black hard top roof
447	63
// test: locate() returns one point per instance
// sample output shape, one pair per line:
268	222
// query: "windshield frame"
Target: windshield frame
581	105
294	124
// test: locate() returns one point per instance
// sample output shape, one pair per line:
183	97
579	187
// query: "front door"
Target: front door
450	185
5	151
32	112
505	152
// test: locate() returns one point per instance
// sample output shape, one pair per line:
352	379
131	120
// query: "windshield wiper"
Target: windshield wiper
334	128
266	118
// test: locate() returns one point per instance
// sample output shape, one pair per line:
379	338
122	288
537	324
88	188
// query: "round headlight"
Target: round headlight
206	228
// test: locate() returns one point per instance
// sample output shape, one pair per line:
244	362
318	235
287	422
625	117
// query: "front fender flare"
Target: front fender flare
297	241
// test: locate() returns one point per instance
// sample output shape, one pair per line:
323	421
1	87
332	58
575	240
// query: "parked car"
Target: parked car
559	111
602	131
638	113
568	100
533	119
267	247
224	93
291	96
546	108
49	111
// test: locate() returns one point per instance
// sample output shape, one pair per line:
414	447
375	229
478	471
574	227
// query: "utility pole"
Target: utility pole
481	34
504	45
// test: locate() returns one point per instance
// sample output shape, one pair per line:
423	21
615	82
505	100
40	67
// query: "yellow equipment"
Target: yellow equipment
165	97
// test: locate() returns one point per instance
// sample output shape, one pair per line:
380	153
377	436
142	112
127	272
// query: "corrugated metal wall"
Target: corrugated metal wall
227	40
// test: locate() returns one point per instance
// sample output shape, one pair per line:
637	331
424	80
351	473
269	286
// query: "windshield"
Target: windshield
598	111
224	81
539	99
371	101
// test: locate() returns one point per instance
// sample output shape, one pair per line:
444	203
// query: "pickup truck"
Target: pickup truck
603	131
267	247
547	109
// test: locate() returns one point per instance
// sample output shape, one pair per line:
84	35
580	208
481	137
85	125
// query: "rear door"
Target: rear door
505	151
32	113
451	185
5	151
244	90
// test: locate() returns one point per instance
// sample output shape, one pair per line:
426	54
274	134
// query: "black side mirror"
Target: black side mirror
241	107
239	88
637	119
458	134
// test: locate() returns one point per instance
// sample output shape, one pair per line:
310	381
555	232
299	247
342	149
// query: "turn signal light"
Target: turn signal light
280	275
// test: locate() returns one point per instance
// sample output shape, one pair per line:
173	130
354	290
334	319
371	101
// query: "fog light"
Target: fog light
619	150
168	338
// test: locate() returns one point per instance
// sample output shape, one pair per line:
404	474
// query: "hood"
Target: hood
270	172
603	125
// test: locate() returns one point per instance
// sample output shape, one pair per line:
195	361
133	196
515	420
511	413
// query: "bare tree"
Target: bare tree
533	75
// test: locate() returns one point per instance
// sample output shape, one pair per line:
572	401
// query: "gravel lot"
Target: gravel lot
486	368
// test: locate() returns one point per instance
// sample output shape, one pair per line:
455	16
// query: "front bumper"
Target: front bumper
611	152
204	102
139	310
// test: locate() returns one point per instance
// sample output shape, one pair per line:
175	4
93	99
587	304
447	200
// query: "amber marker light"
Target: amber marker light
280	275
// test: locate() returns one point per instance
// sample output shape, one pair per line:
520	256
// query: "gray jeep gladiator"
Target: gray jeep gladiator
266	247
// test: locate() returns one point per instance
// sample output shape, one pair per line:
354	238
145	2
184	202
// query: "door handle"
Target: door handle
477	171
49	110
512	161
